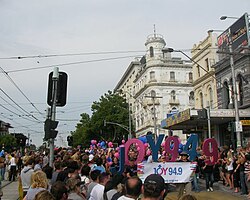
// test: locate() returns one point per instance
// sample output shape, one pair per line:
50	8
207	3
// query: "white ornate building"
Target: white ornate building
168	78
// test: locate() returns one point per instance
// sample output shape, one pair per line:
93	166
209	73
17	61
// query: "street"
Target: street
219	192
209	196
10	190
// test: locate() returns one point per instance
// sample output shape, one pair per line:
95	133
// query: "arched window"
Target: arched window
174	110
191	97
231	91
152	75
207	64
172	76
190	77
142	119
173	96
201	100
225	95
151	51
240	88
211	102
198	71
138	122
153	93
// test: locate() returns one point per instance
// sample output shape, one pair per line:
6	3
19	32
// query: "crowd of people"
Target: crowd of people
93	174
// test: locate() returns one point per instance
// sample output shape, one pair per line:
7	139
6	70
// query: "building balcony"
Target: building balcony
149	102
174	101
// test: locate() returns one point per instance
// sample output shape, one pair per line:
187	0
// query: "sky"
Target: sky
93	42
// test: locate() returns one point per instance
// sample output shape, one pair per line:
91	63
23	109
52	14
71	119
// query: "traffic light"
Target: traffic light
70	140
49	129
202	114
61	89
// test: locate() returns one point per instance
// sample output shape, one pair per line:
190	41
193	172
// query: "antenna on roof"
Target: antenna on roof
154	31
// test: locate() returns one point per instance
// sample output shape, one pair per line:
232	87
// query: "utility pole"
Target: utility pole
55	79
153	97
238	126
129	119
209	122
29	139
154	113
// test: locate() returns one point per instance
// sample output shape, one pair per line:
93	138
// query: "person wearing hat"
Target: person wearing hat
154	187
184	157
184	187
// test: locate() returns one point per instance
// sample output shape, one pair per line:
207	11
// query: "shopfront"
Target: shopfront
221	125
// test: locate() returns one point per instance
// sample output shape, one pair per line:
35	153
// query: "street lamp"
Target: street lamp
170	50
167	50
226	17
238	126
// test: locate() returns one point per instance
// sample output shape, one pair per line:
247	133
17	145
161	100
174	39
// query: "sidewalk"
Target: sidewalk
220	192
5	183
228	191
10	190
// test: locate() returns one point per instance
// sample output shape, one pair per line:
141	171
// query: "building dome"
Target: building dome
154	44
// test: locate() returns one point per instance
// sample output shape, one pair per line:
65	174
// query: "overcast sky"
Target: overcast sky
56	27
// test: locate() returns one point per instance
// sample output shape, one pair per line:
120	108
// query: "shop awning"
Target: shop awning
188	119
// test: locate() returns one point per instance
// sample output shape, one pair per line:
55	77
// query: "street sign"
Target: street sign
61	95
238	127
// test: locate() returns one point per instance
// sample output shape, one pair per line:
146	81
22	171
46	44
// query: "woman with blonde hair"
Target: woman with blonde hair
229	166
39	182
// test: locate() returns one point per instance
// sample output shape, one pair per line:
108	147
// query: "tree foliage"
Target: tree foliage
111	107
8	141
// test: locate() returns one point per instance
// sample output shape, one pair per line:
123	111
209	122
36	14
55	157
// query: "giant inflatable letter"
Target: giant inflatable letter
155	146
141	154
122	159
171	147
210	149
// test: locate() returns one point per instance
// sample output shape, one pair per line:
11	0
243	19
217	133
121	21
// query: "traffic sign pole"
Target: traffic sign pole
53	112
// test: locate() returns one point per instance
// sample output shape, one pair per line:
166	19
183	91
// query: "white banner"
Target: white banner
172	172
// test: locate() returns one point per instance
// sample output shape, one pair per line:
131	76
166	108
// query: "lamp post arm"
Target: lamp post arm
120	125
195	62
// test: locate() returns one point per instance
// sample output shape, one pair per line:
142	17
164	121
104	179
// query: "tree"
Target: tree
111	107
80	135
8	141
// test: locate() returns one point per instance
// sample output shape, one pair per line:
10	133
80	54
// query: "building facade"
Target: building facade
233	75
215	66
225	90
162	86
4	128
204	56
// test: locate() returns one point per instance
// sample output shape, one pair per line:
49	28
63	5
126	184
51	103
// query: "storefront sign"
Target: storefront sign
245	122
178	118
172	172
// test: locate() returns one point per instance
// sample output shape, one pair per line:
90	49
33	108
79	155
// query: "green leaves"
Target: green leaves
8	140
111	107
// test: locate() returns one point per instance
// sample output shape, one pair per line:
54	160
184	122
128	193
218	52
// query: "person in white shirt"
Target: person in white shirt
98	190
26	173
12	174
